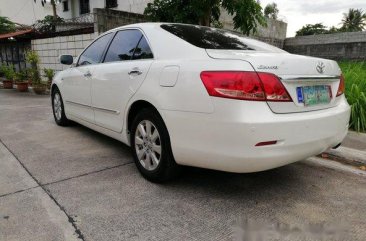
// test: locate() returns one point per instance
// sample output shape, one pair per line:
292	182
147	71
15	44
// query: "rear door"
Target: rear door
126	64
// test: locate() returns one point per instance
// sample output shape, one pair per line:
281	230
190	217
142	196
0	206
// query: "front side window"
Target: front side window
123	45
93	54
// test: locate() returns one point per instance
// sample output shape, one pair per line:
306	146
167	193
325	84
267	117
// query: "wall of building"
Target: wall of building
336	46
49	49
24	11
134	6
274	33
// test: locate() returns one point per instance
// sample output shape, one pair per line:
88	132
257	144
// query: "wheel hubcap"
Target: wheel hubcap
148	145
57	108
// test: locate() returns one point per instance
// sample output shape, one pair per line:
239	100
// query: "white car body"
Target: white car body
206	131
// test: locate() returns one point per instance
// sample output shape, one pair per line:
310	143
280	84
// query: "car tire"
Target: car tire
152	152
58	109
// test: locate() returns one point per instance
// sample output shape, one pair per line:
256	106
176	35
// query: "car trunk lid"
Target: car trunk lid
301	75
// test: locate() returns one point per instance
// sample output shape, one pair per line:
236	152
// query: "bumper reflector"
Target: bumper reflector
266	143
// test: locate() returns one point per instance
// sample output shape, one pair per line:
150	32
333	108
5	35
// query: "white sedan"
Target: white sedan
190	95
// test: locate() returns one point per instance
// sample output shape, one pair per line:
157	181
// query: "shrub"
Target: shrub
355	80
8	71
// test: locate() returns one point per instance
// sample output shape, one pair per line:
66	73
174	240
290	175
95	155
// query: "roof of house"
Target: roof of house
16	33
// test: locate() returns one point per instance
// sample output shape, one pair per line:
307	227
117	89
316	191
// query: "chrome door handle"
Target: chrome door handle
135	72
88	74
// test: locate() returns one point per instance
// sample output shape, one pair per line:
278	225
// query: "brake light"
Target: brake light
274	89
244	85
341	86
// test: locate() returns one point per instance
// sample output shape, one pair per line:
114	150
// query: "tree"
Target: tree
354	20
53	3
247	14
6	25
334	29
48	24
271	11
312	29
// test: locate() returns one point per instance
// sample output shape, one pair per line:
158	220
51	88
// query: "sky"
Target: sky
298	13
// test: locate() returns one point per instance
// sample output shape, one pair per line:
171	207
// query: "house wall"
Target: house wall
134	6
336	46
24	11
49	49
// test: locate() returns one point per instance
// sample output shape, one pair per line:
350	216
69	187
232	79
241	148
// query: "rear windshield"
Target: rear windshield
213	38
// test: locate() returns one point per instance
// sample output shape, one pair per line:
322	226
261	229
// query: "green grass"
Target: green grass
355	80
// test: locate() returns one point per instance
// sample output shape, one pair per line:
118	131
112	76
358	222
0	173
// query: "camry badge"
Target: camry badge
320	67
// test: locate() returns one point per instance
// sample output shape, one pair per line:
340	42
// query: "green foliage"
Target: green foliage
312	29
48	24
49	73
271	11
355	81
6	26
8	71
354	20
21	76
33	58
334	29
247	14
35	76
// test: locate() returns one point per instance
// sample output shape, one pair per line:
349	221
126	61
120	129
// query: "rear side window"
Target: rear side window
123	45
207	38
212	38
93	54
143	50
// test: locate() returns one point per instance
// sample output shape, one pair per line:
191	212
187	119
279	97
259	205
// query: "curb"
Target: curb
347	156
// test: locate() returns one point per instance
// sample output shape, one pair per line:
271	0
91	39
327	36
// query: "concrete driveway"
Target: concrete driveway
75	184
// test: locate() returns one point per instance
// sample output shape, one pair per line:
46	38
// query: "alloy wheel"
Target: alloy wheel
148	145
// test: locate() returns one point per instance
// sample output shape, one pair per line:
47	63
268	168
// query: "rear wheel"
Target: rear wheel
58	109
151	148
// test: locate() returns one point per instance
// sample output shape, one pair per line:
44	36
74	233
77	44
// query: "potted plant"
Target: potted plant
21	81
33	59
38	87
35	77
49	74
9	76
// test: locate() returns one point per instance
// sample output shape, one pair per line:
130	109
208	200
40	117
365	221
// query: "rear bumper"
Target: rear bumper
225	140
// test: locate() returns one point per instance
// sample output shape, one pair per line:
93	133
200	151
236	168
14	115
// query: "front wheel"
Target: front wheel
58	109
151	148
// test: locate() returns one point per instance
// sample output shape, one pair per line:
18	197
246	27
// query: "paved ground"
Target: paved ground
75	184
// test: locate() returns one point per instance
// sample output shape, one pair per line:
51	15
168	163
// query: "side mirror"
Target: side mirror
66	59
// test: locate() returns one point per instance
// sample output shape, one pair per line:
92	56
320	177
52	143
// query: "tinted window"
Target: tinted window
94	52
123	45
212	38
143	50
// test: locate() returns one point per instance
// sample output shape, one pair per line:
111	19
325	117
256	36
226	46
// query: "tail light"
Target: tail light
244	85
341	86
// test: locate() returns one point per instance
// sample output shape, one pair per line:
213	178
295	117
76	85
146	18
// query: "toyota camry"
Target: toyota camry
186	95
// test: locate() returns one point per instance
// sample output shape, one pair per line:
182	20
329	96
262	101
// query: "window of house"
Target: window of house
84	6
93	54
111	3
65	5
123	46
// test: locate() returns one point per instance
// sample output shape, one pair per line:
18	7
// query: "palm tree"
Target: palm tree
354	20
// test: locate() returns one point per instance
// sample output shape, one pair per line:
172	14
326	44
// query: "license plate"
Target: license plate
314	95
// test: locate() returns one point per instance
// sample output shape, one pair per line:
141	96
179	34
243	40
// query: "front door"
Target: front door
77	81
125	67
